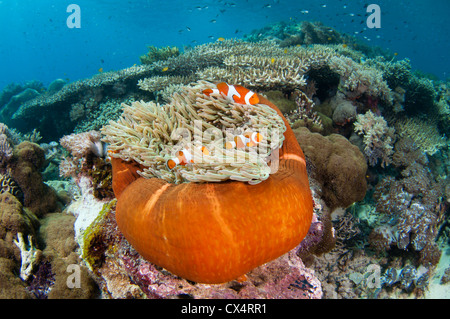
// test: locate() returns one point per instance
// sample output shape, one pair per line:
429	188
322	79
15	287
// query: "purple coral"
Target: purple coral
42	281
285	277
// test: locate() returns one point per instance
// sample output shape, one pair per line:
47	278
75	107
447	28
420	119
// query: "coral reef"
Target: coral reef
303	114
13	95
380	222
15	221
344	111
57	231
409	214
50	112
29	255
6	149
9	185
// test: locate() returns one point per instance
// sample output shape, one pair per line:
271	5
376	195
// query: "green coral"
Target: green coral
396	73
420	96
95	242
101	174
159	54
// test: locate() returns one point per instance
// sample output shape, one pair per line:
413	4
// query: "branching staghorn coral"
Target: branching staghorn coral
264	73
151	134
378	138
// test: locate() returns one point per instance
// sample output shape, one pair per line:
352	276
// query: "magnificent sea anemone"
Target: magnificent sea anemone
224	212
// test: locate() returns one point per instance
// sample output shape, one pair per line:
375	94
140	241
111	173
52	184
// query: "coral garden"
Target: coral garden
374	135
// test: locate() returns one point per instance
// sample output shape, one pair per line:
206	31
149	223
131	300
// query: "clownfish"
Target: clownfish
247	139
235	93
184	157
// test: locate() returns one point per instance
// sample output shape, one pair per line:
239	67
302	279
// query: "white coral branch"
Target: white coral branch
29	256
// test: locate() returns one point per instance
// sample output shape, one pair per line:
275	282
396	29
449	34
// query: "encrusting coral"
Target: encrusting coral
202	238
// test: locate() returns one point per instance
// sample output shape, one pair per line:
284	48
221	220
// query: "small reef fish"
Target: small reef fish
183	157
247	139
236	93
100	70
221	39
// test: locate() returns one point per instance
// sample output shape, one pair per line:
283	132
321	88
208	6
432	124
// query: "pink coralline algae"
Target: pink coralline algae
284	278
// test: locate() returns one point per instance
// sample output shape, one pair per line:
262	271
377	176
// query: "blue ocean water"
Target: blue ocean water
36	43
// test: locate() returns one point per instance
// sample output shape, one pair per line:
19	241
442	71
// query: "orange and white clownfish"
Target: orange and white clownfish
184	157
236	93
247	139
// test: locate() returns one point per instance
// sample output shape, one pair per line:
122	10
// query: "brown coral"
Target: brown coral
25	167
339	166
14	219
61	251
